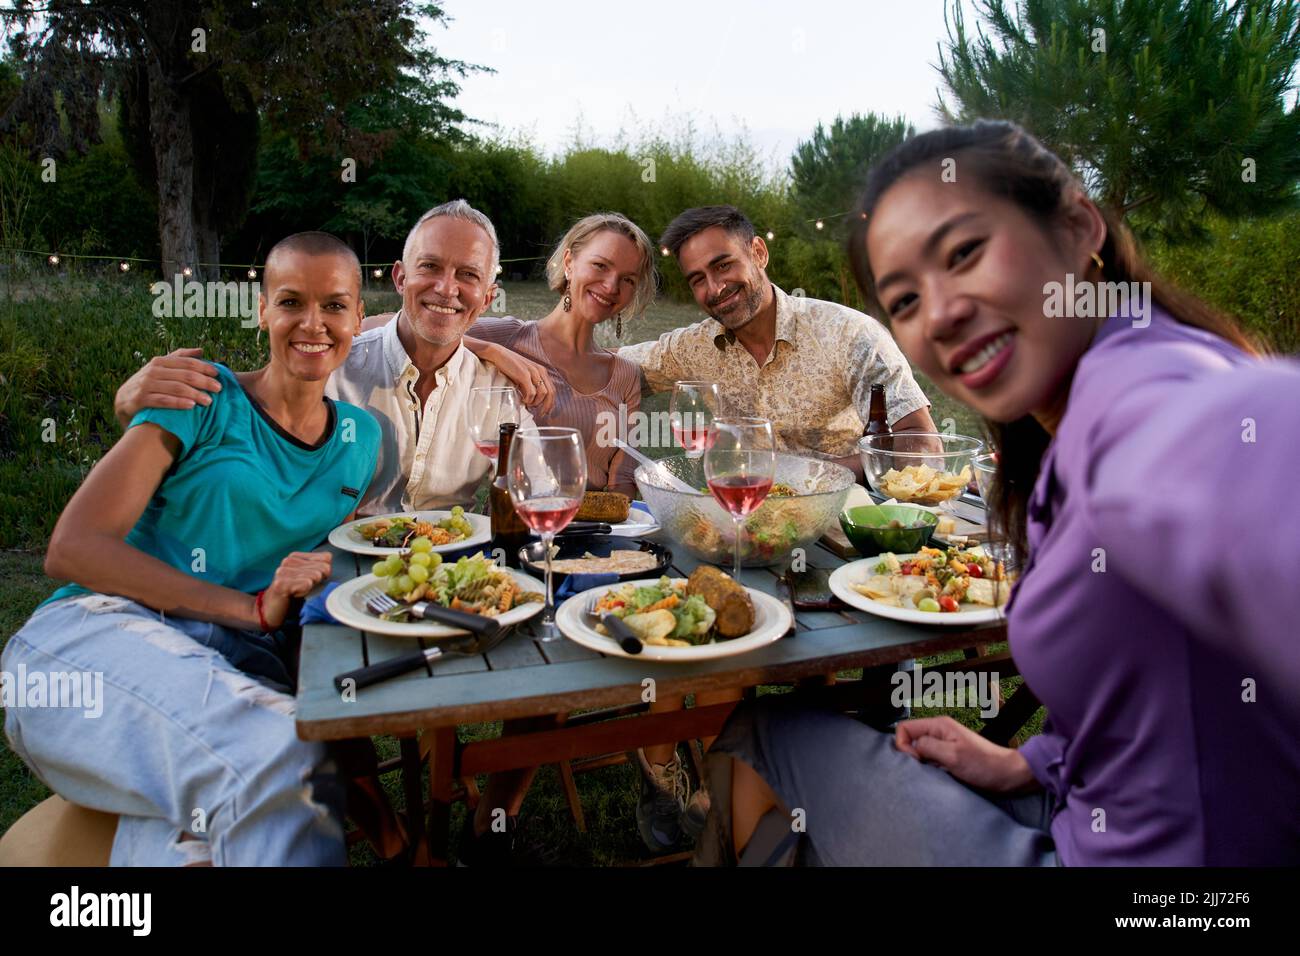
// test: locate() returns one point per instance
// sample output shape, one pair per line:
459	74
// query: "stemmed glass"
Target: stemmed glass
547	477
740	465
489	408
690	411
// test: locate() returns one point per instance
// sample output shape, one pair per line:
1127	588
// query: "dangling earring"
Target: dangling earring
1097	259
618	326
259	338
567	302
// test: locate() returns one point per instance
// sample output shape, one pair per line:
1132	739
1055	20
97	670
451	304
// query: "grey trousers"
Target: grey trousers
861	802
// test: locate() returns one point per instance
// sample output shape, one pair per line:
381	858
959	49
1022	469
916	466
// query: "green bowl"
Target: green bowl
867	526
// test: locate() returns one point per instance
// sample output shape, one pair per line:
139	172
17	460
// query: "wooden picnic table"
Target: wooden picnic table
523	677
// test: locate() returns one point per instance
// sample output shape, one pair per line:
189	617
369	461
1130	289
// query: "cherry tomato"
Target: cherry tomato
974	570
947	603
905	567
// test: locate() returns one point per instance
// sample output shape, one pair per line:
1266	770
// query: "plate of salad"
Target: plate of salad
474	584
383	535
952	586
678	619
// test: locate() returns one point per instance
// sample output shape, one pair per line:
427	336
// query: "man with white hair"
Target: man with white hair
414	375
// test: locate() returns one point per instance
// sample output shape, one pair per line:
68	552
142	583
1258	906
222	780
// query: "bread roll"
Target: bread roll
607	506
729	600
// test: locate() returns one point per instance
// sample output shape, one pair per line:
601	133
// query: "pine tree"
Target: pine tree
1169	109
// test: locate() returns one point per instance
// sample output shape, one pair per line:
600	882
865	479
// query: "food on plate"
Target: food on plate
921	484
650	608
473	584
938	581
620	561
730	601
405	530
608	506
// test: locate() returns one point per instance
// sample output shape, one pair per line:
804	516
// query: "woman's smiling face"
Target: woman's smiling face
960	273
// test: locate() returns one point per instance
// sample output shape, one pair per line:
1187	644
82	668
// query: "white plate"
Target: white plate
771	621
345	604
638	523
346	538
857	572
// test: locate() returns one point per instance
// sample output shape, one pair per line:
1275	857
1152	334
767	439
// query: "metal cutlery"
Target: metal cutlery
485	635
616	627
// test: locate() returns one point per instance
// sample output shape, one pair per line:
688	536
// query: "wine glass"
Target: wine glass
547	475
690	411
740	465
489	408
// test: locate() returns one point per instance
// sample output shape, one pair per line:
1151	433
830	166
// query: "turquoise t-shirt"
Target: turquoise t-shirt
244	493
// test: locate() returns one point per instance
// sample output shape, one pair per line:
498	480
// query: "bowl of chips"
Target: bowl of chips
919	468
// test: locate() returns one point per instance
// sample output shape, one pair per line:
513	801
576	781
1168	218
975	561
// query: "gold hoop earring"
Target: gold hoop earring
1097	259
567	302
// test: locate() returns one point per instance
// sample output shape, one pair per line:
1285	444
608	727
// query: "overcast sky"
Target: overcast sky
772	68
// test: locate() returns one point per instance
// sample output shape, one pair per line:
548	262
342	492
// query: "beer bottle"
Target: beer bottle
508	529
878	420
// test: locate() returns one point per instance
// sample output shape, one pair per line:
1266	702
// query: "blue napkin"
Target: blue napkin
577	583
313	609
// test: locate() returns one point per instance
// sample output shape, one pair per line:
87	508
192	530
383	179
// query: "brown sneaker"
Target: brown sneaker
665	789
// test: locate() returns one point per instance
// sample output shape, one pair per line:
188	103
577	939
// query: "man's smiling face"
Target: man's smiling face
445	282
725	274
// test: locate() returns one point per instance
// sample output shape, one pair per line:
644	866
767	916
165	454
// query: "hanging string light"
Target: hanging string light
54	260
770	235
820	224
378	273
252	273
124	266
187	272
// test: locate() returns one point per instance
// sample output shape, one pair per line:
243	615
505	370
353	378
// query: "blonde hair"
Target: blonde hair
581	232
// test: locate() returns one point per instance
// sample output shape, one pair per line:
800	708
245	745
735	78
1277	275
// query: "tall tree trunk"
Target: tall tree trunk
173	148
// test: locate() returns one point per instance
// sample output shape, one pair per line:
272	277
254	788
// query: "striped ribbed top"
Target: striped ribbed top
587	412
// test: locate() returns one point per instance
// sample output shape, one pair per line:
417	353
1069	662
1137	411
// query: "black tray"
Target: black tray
531	557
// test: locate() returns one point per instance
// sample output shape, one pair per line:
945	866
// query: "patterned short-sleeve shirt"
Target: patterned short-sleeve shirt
815	386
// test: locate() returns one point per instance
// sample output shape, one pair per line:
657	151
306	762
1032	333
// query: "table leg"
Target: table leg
411	789
440	744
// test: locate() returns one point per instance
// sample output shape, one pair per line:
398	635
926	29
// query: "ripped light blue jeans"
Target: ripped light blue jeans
185	743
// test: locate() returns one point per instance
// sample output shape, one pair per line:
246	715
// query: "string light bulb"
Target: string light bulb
54	260
124	266
820	224
252	273
663	250
770	235
187	272
378	273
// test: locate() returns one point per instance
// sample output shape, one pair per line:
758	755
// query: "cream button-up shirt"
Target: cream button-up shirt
427	459
815	386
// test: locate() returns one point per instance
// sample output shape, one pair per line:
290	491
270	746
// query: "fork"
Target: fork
486	634
616	627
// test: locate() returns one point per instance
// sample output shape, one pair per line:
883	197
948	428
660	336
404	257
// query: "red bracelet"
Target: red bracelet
261	618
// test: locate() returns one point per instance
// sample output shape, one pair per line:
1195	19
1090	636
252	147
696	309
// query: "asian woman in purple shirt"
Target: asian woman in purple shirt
1149	469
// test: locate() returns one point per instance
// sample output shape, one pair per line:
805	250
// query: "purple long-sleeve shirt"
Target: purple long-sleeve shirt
1171	677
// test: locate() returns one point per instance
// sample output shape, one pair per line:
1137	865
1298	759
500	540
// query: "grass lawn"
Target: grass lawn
65	368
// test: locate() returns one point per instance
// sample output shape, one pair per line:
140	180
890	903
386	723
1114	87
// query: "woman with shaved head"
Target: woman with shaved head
185	547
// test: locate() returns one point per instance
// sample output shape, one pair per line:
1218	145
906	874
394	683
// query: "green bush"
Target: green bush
1248	270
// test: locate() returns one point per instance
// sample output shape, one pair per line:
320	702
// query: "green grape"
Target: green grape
421	544
457	511
406	584
418	573
382	569
434	560
393	590
928	604
420	558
